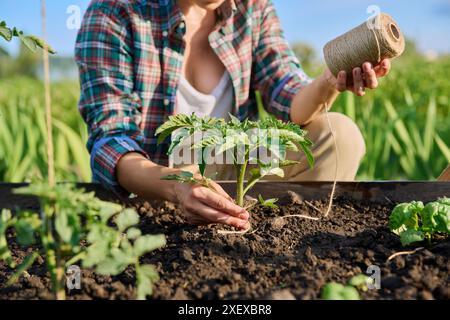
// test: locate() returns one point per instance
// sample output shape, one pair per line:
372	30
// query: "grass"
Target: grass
406	122
22	132
406	125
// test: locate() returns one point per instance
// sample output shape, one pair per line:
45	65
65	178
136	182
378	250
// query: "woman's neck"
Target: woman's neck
198	14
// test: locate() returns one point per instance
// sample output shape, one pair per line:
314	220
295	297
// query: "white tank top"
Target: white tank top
217	104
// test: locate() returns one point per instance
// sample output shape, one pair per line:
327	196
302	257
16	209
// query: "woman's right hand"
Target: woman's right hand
201	205
204	206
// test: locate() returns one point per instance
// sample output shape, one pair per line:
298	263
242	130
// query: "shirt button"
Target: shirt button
166	102
165	34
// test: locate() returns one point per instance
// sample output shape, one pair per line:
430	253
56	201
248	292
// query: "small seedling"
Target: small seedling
414	222
269	203
240	141
337	291
30	41
69	216
361	282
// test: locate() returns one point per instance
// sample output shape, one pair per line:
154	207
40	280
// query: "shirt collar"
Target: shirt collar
175	16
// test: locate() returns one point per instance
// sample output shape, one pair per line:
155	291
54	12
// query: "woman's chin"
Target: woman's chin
210	4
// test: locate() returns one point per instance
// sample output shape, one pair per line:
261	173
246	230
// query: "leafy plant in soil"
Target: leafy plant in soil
242	141
70	217
416	222
30	41
337	291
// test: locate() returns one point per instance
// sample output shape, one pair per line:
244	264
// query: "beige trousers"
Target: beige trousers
350	151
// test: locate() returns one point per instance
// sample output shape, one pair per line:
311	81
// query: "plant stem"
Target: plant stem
250	185
240	172
56	274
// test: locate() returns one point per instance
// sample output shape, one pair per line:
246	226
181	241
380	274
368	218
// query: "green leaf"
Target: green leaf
96	253
133	233
269	203
405	216
25	232
202	168
180	136
146	275
6	33
21	268
62	226
28	42
173	123
410	236
428	216
116	261
42	44
235	121
308	153
269	170
445	201
126	219
337	291
287	163
187	174
172	177
148	243
361	281
108	209
5	222
436	217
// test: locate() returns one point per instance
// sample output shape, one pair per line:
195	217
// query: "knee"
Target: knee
349	138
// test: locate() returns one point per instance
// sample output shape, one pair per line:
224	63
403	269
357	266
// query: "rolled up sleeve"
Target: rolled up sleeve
277	71
110	108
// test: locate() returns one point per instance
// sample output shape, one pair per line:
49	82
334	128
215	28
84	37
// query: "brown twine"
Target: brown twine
369	42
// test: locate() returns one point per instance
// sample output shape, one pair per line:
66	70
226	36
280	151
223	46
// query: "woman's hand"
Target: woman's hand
204	206
365	77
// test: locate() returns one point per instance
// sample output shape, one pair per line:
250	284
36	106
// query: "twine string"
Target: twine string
365	44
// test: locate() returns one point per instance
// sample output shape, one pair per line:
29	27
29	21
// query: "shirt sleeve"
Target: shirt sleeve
108	105
277	71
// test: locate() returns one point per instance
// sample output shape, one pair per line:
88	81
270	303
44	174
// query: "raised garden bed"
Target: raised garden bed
298	255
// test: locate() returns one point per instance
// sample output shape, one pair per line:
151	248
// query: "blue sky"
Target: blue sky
315	22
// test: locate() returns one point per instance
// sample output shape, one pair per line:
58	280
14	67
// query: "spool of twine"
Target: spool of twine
372	41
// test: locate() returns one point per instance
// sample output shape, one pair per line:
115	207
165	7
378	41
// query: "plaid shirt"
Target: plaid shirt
130	56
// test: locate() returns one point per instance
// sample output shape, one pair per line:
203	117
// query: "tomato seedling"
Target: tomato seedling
69	217
240	142
416	222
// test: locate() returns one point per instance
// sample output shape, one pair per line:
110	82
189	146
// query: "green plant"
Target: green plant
414	222
337	291
68	216
269	203
238	140
30	41
23	133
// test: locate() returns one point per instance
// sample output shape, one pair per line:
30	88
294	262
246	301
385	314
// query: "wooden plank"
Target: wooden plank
382	192
445	176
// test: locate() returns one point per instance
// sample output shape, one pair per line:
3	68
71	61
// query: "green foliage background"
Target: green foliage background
406	122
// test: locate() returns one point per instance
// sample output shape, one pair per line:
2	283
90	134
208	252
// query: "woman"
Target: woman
141	61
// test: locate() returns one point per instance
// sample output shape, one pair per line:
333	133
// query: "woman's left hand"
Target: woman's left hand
365	77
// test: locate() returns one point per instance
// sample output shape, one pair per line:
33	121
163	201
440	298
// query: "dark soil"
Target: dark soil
292	254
